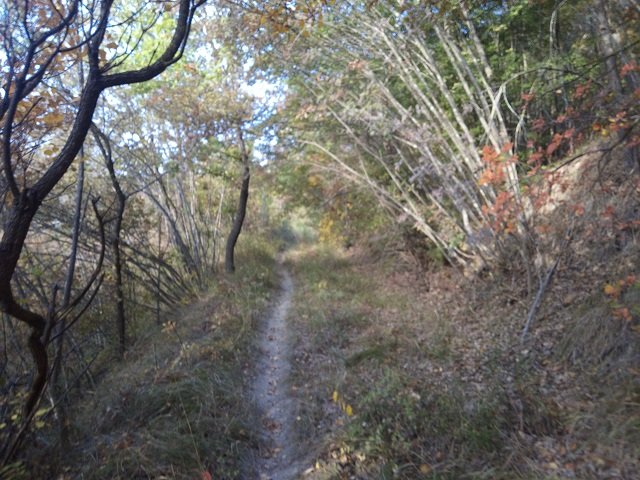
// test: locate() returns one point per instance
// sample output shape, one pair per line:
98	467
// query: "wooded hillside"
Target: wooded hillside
454	186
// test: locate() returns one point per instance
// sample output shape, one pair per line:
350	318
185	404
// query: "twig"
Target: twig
536	303
543	287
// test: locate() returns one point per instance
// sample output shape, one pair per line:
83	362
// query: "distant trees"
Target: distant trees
447	112
416	97
45	120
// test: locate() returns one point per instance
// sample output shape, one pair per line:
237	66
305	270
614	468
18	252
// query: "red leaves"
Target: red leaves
502	213
538	124
578	210
581	90
615	290
527	97
558	139
609	212
496	161
555	143
489	154
628	68
535	158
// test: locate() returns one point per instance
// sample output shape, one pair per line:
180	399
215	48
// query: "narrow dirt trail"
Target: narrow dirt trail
271	393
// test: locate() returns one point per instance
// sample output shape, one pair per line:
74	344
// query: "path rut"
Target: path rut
276	459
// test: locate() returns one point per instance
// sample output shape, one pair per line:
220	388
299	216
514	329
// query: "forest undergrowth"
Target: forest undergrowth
399	369
410	375
458	186
423	372
173	407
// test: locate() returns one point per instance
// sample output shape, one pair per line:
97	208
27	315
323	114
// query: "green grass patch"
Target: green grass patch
404	426
377	353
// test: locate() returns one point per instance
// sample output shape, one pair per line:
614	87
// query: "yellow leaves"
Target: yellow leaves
344	406
327	229
50	150
614	290
313	180
53	119
599	128
42	412
168	327
623	313
611	290
425	469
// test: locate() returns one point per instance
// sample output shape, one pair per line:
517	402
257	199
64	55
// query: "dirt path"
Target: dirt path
271	391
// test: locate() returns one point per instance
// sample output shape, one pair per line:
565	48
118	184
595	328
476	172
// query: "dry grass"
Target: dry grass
439	383
172	409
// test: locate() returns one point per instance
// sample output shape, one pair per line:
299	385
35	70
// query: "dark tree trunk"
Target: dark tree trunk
236	228
117	260
158	271
121	203
56	387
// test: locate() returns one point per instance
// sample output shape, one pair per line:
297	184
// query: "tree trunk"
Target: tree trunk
56	387
608	46
27	199
121	203
158	270
117	260
236	228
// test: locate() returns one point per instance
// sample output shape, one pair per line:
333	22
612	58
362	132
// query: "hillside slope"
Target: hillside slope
395	370
402	374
